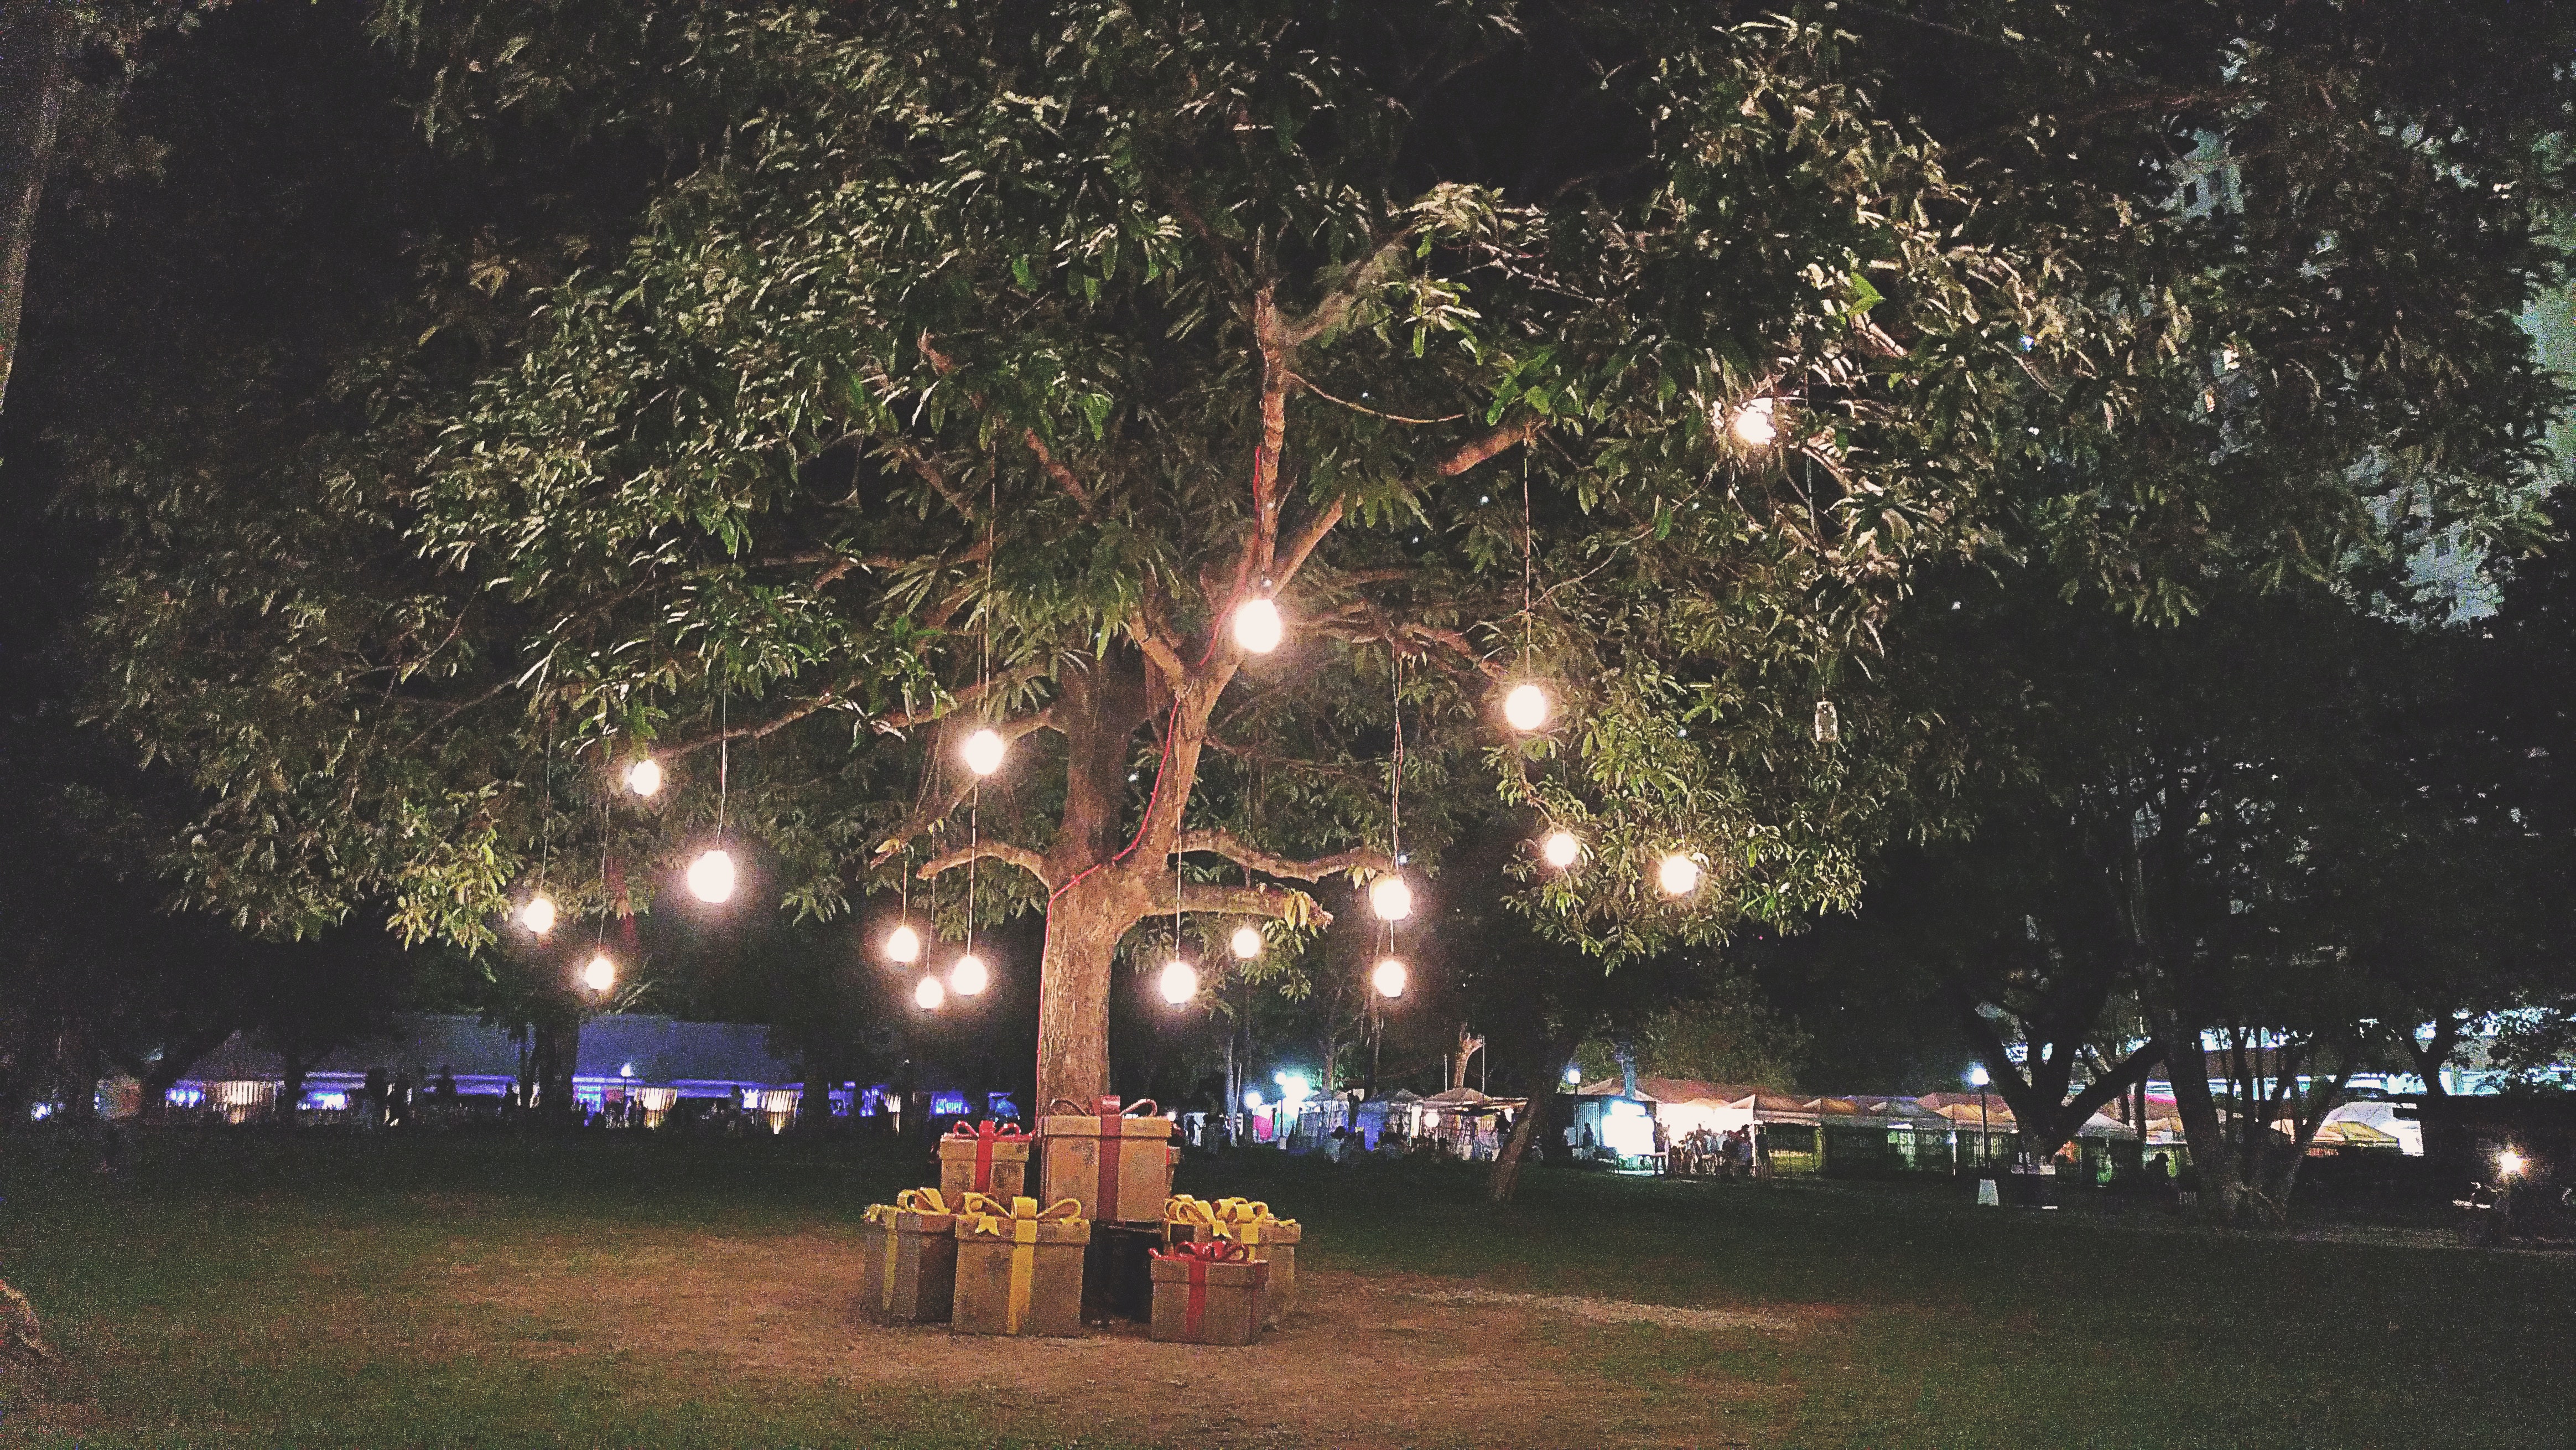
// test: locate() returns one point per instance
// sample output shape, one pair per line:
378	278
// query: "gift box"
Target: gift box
1271	1240
1208	1293
908	1269
1019	1267
1117	1165
985	1159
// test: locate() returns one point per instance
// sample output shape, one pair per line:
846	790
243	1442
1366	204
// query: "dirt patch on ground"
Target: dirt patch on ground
1383	1361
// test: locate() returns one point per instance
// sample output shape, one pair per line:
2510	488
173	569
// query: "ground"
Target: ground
243	1290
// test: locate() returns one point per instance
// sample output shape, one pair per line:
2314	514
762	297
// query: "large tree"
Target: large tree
982	362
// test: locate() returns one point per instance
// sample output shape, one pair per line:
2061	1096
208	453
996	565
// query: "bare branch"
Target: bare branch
1372	412
1243	853
1293	907
1009	679
1063	476
1003	851
1304	543
1476	451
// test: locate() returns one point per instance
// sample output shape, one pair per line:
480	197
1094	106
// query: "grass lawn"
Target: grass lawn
254	1291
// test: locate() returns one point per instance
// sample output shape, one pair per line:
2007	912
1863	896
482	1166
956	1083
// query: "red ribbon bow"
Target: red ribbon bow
985	1134
1198	1256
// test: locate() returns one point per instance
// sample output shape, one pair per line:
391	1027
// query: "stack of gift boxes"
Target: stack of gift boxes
981	1254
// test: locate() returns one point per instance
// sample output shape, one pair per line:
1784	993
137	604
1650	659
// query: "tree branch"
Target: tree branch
1294	907
1003	851
1243	853
931	813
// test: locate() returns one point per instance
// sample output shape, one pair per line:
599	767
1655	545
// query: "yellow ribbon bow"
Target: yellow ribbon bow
1241	1219
1023	1215
886	1216
923	1200
1180	1208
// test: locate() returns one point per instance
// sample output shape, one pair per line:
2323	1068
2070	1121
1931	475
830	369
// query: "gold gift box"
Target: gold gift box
908	1268
1019	1267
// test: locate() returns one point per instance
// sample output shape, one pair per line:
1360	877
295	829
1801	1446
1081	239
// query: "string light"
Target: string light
599	973
1389	977
1679	875
1753	424
983	751
1526	707
1391	898
969	975
903	945
1258	627
539	914
644	777
1180	981
929	994
1247	942
1560	849
711	877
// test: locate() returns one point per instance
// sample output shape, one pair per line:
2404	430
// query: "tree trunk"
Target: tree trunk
1505	1178
292	1068
35	74
1083	926
2213	1165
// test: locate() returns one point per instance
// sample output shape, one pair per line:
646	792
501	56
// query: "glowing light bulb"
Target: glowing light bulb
984	750
929	994
2509	1163
1753	424
1389	977
903	945
1679	875
539	914
1247	942
1526	707
1180	981
1391	898
1258	627
599	973
644	777
1560	849
711	877
968	975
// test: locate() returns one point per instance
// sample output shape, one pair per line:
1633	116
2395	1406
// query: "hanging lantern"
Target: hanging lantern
599	973
539	914
1389	977
1829	724
1679	875
644	777
1247	942
903	945
1560	849
1753	424
1180	981
1526	707
1390	898
1258	627
711	877
984	750
968	975
929	994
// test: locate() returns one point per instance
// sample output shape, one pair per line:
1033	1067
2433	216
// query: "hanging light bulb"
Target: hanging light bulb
929	994
539	914
1258	627
1679	875
644	777
1753	424
1391	898
1389	977
711	877
984	750
1180	981
1247	942
1526	707
1560	849
599	973
1829	723
903	945
968	975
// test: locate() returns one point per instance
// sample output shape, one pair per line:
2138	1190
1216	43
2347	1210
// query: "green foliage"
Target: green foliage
1727	1035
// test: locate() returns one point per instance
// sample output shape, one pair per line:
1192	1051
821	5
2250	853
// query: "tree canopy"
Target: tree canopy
973	365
